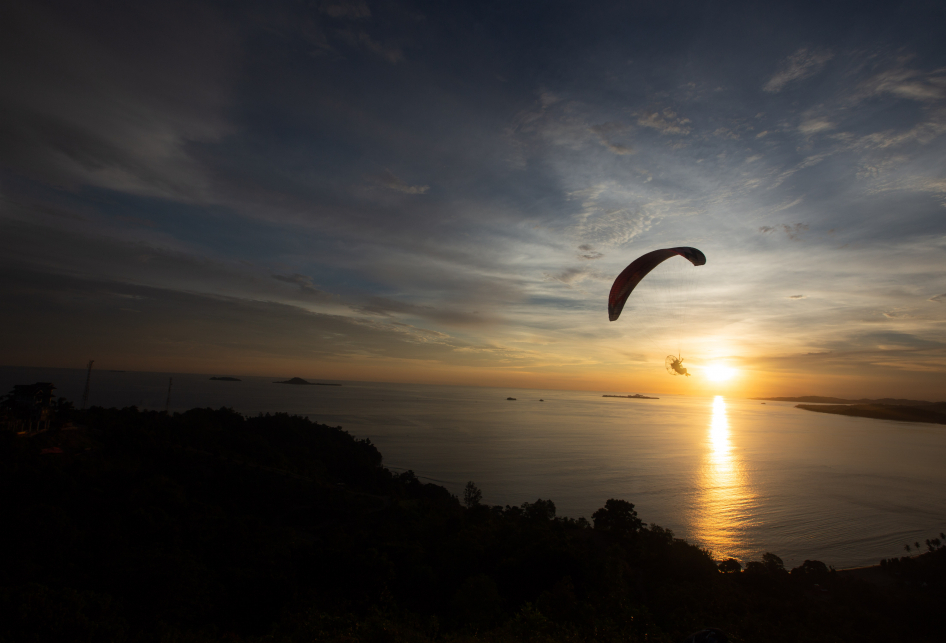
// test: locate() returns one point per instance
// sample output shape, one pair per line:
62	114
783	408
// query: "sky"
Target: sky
443	192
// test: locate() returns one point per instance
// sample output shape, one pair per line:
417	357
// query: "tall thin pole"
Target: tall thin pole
167	403
88	379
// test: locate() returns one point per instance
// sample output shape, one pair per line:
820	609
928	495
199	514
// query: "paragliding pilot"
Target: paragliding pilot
677	365
625	283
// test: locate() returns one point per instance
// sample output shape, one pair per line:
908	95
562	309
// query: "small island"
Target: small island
511	398
226	379
636	396
301	382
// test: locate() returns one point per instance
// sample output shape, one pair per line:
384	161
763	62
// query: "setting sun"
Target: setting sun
719	373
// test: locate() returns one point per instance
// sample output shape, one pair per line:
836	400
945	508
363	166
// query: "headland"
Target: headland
888	408
298	381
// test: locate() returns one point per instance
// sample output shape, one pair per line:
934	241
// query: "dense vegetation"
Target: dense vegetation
210	526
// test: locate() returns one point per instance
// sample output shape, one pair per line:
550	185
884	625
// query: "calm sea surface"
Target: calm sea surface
736	476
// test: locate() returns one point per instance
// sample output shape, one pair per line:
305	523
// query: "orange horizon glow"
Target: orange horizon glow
646	377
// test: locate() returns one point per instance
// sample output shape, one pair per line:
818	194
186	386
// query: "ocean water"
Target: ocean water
733	475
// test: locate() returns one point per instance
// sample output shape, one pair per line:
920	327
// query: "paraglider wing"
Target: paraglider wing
631	276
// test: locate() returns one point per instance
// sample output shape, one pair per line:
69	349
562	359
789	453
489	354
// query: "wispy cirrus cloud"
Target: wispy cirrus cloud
389	180
606	132
447	313
903	82
665	122
802	64
303	282
793	232
351	9
587	252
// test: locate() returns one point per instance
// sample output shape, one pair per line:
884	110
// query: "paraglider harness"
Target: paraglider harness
675	365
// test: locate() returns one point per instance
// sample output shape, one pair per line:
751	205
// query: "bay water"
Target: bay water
733	475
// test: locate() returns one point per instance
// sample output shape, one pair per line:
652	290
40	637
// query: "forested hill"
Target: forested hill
208	526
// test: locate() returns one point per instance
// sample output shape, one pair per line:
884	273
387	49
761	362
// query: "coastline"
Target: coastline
899	413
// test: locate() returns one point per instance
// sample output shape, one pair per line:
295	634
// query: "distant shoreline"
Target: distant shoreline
897	412
298	381
817	399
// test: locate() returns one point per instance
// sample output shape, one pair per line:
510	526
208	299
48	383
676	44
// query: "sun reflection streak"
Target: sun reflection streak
719	430
722	507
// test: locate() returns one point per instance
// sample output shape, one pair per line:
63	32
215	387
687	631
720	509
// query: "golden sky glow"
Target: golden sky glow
454	210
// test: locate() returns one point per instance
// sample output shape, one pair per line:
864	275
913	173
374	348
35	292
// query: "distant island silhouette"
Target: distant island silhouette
301	382
636	396
227	379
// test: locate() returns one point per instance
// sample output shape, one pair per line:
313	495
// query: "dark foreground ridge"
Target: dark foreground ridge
135	526
301	382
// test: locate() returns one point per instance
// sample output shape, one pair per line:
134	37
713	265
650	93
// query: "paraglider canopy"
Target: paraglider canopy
625	283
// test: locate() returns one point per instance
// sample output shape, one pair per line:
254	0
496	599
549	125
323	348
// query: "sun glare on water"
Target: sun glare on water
719	373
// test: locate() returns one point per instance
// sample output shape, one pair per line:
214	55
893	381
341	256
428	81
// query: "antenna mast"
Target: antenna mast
167	403
88	378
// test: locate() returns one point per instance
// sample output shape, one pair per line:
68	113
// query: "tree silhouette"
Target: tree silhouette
471	495
617	517
772	562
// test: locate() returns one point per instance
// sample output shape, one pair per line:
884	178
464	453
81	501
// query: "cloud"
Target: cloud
807	162
665	122
571	276
798	296
789	205
360	38
614	213
815	125
588	253
606	132
115	117
725	132
190	331
455	314
905	83
305	283
898	313
793	231
389	180
352	9
938	298
802	64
